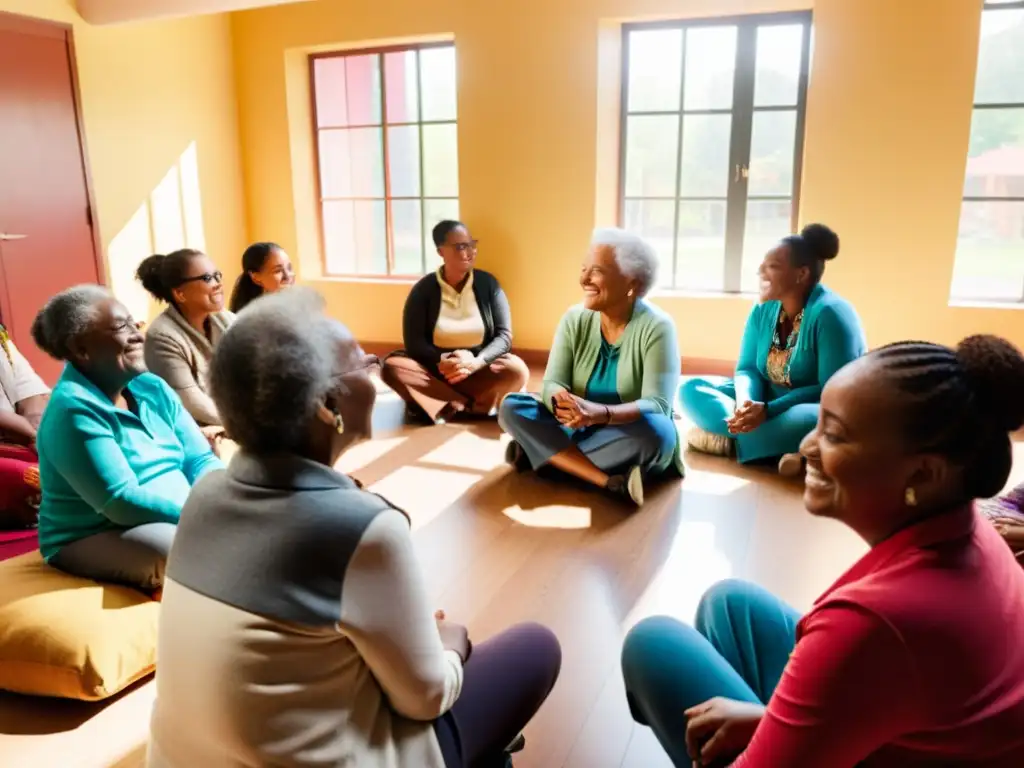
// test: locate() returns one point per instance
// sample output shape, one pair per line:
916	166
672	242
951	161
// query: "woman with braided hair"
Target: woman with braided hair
913	657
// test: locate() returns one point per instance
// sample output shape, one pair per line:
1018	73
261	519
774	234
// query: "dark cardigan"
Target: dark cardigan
424	305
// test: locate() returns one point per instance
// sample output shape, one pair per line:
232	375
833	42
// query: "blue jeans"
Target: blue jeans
649	442
740	644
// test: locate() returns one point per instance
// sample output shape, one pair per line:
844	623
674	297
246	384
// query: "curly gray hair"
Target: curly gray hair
65	317
274	367
635	256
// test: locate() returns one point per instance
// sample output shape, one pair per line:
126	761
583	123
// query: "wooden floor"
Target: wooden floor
499	548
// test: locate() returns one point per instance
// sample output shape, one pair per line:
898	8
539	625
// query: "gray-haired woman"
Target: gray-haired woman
295	618
605	411
118	453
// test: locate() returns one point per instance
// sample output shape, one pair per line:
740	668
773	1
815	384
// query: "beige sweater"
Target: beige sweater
296	629
180	355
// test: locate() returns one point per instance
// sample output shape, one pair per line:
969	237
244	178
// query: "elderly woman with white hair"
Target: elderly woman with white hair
605	411
296	626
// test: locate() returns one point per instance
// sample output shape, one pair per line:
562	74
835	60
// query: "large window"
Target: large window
388	156
990	249
713	115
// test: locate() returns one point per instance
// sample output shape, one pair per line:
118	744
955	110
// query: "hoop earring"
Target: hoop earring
910	497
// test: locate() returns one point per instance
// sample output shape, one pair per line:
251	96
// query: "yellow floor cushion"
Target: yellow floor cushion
69	637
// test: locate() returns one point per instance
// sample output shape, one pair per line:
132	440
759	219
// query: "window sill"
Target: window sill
986	304
367	280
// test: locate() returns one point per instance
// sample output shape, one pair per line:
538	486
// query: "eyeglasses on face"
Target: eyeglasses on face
206	277
463	247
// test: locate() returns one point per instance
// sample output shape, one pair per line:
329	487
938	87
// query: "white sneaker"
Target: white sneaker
705	442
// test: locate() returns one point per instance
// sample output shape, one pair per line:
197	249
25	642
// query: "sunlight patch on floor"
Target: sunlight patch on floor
712	483
555	516
359	456
694	564
424	493
469	450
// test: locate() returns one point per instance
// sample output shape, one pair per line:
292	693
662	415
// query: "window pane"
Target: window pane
355	241
995	160
400	83
700	259
437	72
705	163
772	151
777	80
362	86
406	226
999	78
652	220
768	221
436	211
351	163
440	161
404	160
990	251
652	143
655	69
329	88
710	65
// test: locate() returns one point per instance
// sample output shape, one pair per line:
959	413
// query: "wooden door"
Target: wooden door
47	239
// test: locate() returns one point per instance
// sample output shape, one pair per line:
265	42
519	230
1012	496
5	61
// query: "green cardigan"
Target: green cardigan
648	372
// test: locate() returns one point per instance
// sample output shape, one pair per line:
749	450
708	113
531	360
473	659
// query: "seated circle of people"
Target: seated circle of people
604	414
118	454
913	657
181	340
266	269
799	334
295	623
457	331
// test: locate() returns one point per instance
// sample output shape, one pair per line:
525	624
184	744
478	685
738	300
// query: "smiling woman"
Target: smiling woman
912	656
180	342
118	455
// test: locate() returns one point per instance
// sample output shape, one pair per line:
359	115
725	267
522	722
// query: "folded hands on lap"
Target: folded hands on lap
747	417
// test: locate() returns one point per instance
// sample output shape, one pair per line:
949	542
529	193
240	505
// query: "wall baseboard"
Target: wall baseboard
538	358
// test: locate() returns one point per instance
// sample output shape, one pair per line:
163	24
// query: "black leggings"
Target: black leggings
505	681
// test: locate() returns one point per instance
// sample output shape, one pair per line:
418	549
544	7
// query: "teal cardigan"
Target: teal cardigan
830	337
648	372
103	468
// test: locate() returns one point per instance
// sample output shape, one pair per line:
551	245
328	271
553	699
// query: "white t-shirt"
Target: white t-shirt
17	379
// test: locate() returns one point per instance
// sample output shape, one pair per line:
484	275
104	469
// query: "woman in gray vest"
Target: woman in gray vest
296	628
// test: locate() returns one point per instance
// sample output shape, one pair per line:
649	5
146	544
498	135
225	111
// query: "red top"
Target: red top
915	657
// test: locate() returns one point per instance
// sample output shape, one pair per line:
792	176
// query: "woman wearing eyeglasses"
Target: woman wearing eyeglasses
180	342
457	329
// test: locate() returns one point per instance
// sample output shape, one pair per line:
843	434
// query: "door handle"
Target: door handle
4	237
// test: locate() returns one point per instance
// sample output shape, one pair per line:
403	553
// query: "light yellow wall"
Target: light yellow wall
887	128
150	92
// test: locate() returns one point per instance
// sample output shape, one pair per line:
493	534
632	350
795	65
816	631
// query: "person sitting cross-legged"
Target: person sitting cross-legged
913	656
605	411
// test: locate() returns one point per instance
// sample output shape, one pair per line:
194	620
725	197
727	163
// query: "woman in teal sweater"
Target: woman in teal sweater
796	338
605	411
118	453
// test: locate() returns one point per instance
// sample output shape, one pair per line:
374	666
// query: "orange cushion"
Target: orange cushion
64	636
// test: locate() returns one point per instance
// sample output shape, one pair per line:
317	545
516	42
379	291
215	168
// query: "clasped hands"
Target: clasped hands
459	365
718	730
747	417
1012	531
577	413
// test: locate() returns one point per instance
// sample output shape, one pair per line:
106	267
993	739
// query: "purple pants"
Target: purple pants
505	681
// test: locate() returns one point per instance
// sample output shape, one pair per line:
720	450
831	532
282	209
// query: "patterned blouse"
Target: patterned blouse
780	353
